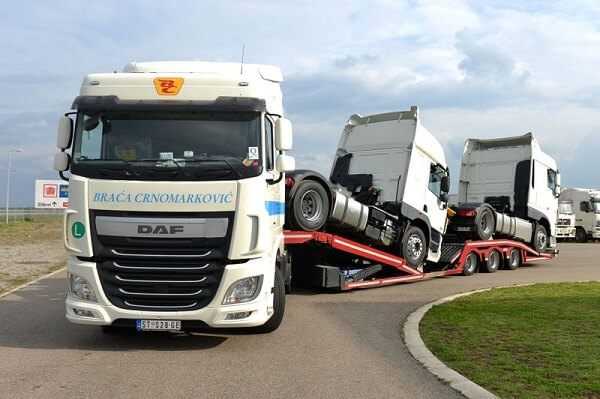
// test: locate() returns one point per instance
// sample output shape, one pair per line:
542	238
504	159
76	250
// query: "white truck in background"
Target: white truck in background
586	204
176	197
565	222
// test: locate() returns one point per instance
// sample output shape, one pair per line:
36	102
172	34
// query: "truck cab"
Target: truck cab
520	182
388	187
586	205
176	196
565	224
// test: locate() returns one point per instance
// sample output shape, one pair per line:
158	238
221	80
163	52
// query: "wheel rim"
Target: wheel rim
414	245
311	205
470	262
514	258
494	260
485	222
541	240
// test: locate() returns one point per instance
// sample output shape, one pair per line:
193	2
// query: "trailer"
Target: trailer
355	265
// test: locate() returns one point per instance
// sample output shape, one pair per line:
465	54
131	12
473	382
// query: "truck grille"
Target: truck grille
160	274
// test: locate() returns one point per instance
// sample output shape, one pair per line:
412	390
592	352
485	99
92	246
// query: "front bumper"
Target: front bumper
213	315
565	232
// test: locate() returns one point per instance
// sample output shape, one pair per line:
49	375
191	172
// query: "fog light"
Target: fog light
81	288
243	290
84	313
237	315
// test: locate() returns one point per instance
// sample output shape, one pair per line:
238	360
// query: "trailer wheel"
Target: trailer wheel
580	235
414	247
310	206
484	223
278	307
493	261
471	262
514	259
540	238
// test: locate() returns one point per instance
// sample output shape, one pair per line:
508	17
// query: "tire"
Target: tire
278	307
310	206
493	261
514	259
580	235
414	247
540	238
471	262
484	223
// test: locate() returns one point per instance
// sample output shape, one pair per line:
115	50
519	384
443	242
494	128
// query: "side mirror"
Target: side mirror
557	185
61	161
445	185
285	163
283	134
65	133
444	197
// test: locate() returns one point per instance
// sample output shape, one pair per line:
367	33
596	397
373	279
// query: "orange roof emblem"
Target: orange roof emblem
168	86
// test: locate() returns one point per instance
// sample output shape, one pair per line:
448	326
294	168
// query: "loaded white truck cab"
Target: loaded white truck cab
519	185
176	197
388	187
586	204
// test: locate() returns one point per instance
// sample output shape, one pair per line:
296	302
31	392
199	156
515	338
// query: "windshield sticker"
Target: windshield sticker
188	154
166	155
252	152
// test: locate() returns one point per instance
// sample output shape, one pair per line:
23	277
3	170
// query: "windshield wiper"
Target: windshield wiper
216	160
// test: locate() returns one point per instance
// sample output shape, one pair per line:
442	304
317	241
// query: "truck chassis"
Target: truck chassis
457	258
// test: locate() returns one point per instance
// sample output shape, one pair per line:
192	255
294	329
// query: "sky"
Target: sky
478	69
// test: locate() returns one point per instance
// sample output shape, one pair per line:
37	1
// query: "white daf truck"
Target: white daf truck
586	204
176	197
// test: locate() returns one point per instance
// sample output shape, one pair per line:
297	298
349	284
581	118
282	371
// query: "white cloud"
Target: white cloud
478	69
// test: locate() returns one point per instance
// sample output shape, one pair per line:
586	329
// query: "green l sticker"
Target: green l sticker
78	229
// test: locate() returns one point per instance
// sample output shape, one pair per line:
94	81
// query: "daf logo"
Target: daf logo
159	229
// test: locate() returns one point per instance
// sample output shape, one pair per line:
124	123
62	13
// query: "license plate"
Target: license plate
158	325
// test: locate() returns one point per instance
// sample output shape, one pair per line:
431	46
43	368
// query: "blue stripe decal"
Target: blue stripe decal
275	207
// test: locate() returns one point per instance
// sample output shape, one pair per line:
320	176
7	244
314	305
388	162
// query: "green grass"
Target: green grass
540	341
16	233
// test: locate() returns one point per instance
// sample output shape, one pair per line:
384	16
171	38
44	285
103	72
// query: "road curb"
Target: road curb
31	282
419	351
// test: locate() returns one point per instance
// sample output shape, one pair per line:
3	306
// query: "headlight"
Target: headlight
243	290
81	288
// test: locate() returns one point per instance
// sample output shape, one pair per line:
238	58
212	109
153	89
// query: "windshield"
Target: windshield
188	143
596	206
565	207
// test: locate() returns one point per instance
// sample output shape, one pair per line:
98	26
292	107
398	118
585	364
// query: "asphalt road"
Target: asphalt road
329	344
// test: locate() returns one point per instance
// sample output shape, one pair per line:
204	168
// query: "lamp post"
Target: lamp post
8	180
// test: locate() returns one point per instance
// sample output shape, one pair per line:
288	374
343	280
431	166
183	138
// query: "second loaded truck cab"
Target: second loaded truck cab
176	197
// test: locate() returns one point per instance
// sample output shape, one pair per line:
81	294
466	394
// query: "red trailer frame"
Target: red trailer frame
481	248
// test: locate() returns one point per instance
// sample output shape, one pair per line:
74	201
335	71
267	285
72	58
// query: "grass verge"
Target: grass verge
540	341
16	233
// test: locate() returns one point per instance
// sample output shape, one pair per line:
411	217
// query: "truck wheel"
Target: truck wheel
514	259
470	265
278	308
493	261
580	235
414	247
310	206
484	223
540	238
